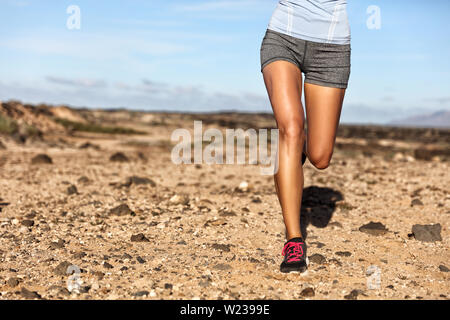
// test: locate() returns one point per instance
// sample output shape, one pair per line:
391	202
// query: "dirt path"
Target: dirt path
196	235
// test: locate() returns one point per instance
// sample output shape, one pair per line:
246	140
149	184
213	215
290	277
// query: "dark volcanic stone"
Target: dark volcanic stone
140	260
221	247
416	202
84	180
141	293
119	157
139	238
374	228
317	258
139	181
61	269
352	295
344	253
443	268
27	223
308	292
121	210
427	233
72	190
27	294
42	159
168	286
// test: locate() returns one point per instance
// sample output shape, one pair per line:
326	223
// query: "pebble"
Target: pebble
222	267
13	282
27	223
27	294
42	159
119	157
443	268
139	181
427	233
121	210
61	269
72	190
374	228
317	259
308	292
139	238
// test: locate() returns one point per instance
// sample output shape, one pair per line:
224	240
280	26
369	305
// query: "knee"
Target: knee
320	159
292	131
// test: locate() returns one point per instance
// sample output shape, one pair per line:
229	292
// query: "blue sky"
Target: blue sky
201	55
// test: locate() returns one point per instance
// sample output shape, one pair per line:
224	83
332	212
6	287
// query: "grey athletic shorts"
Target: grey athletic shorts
323	64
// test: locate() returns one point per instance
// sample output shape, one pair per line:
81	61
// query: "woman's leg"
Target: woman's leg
323	111
283	81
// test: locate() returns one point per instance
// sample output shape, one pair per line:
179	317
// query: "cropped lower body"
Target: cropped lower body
323	64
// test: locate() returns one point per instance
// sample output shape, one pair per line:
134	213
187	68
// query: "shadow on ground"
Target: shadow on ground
318	205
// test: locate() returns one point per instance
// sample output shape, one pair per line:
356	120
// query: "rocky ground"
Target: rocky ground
129	224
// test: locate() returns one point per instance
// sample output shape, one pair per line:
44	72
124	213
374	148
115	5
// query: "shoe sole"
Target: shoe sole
301	271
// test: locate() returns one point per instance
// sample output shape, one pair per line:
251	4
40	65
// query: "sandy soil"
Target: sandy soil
200	236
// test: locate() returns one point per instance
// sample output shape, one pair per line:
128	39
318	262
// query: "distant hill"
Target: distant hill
438	119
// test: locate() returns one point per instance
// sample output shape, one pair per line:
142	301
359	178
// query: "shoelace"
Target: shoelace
293	250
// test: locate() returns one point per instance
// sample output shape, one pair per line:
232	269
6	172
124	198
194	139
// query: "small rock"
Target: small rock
374	228
121	210
344	253
416	202
27	294
168	286
243	187
317	259
79	255
141	293
222	267
119	157
427	233
27	223
61	269
72	190
443	268
139	238
179	199
139	181
221	247
42	159
140	260
13	282
352	295
88	145
84	180
308	292
107	265
58	290
57	245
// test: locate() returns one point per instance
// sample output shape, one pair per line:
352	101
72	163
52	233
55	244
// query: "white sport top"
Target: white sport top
314	20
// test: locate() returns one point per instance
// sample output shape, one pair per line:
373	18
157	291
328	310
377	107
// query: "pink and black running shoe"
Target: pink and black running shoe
294	252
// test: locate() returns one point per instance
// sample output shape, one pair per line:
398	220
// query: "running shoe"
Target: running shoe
294	252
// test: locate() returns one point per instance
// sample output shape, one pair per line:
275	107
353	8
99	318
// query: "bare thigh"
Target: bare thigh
284	85
323	111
